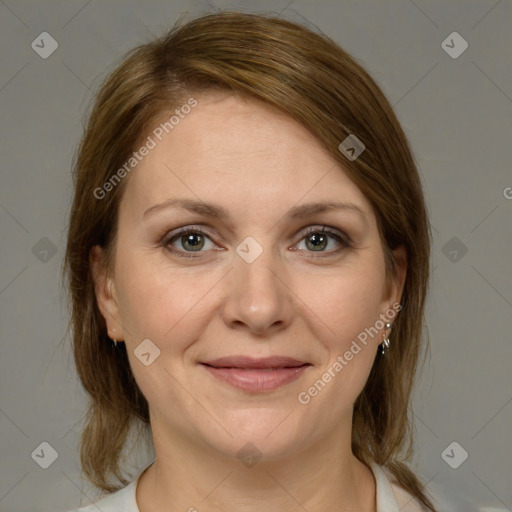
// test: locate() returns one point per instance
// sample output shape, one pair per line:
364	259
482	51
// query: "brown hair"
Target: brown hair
309	77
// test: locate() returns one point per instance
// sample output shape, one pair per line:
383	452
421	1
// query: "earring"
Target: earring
384	346
114	341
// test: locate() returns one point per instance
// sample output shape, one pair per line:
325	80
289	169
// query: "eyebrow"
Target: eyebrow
218	212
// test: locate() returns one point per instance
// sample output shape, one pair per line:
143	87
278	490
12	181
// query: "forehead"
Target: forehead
241	152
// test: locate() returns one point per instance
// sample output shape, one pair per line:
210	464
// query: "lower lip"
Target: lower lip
257	379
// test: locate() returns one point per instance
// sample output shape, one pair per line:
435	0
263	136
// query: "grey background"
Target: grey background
457	114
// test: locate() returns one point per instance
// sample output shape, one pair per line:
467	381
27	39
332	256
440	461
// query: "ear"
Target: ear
395	283
104	289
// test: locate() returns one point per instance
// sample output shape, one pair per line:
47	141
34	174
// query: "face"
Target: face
255	306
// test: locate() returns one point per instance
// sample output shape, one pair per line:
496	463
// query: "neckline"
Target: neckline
385	497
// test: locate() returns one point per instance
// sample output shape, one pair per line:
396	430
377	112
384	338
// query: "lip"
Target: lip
252	362
256	375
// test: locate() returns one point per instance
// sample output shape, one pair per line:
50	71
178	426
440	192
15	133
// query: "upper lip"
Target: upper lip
251	362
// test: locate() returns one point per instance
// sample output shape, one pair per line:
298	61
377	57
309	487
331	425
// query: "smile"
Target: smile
256	375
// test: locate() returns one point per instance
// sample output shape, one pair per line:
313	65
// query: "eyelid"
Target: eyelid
175	233
322	228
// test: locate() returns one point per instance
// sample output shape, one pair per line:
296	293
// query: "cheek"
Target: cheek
346	303
345	309
166	305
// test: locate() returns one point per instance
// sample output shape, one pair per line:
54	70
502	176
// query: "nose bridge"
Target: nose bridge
257	298
255	267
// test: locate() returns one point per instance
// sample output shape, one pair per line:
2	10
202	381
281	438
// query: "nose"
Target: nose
258	298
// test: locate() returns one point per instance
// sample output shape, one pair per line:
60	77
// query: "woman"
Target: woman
249	229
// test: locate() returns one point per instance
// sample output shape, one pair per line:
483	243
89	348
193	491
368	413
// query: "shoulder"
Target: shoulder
122	500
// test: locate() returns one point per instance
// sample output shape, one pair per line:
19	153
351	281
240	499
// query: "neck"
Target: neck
188	477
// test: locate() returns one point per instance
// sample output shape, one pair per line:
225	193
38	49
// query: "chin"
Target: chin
259	433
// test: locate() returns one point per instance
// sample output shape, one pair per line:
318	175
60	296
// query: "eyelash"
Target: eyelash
166	242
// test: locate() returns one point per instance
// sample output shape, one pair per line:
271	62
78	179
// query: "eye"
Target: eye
186	241
317	240
190	240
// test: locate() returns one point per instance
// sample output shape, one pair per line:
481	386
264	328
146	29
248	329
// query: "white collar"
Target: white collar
386	500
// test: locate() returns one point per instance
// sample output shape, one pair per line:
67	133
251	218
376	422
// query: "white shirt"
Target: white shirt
390	497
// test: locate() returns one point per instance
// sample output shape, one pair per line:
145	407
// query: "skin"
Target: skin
292	300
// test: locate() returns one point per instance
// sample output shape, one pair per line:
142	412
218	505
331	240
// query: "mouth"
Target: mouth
256	375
